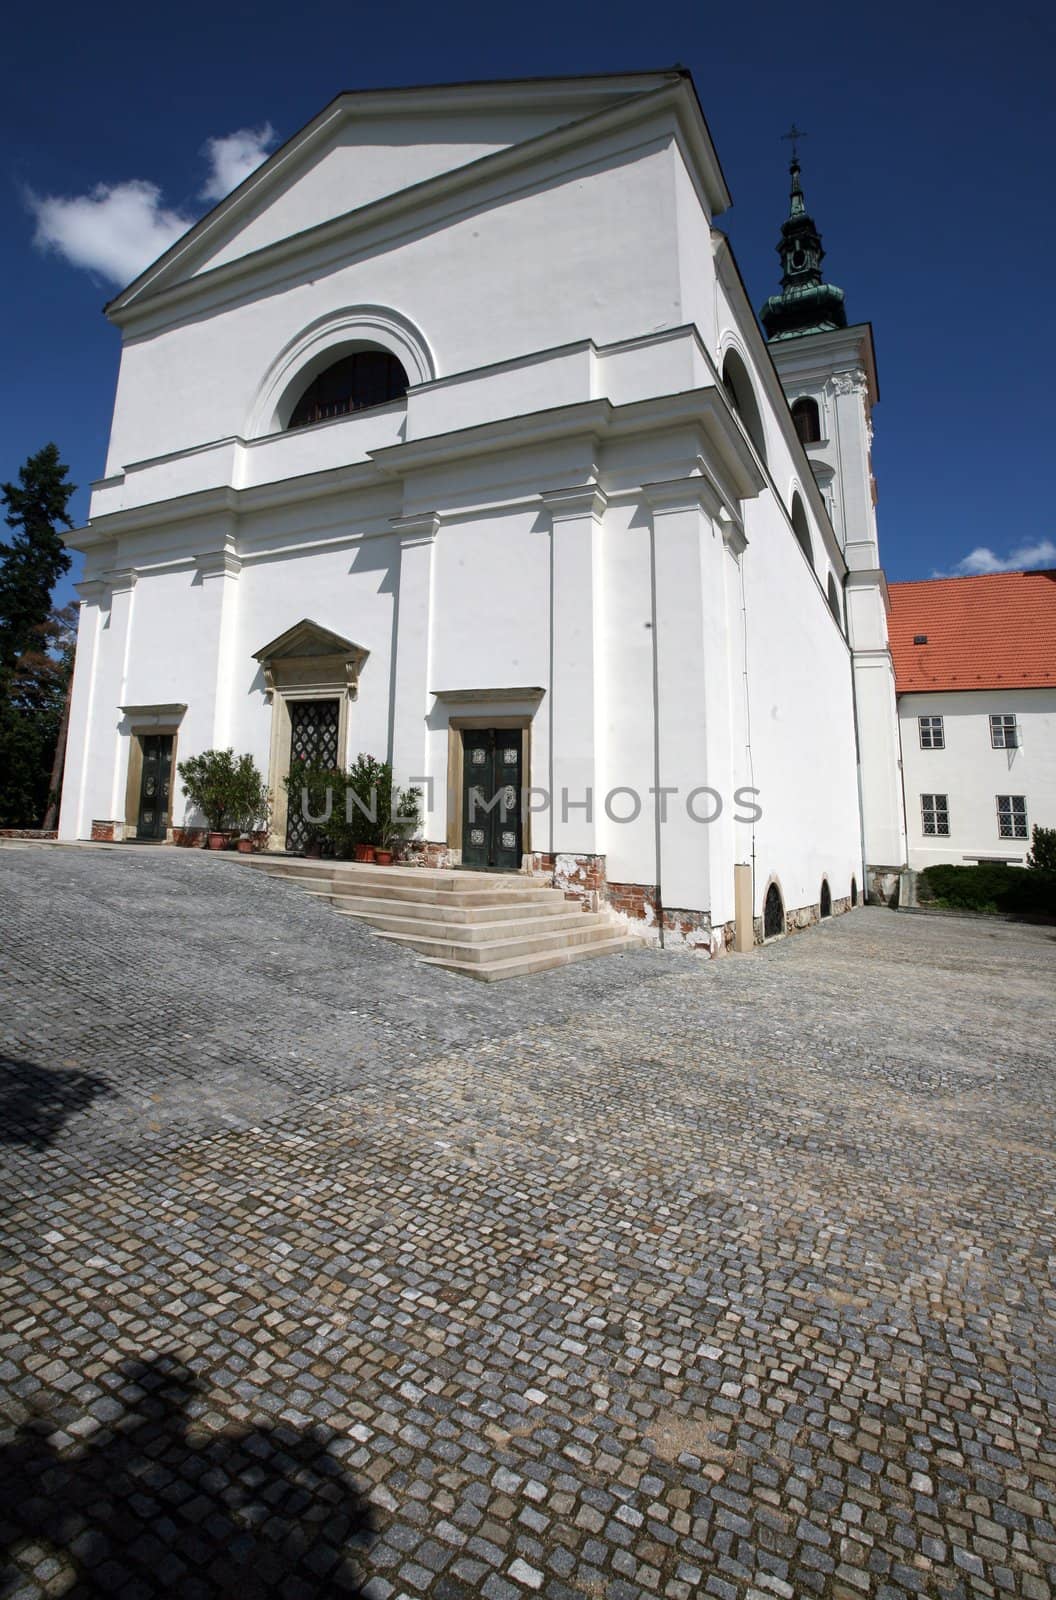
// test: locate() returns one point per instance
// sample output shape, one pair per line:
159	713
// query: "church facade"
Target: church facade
452	437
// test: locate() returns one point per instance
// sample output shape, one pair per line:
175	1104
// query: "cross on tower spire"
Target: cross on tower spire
795	134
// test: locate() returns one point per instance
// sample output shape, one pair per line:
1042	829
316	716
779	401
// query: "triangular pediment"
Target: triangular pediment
370	148
306	639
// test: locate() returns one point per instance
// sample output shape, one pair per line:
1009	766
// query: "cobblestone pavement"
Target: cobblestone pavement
327	1273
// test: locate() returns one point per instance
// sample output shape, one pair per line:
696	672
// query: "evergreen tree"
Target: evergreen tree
31	716
36	644
36	558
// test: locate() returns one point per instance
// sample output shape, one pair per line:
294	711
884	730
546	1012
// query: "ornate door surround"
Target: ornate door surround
307	662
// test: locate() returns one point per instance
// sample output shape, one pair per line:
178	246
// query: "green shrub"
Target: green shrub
227	789
1042	857
365	808
991	887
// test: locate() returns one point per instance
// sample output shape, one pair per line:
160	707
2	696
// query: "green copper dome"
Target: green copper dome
805	304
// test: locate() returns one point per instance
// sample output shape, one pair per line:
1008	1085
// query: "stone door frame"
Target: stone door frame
455	727
143	721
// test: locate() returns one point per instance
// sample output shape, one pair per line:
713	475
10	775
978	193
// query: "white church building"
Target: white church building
451	436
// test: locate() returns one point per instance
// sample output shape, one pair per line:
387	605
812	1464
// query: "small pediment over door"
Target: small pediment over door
310	657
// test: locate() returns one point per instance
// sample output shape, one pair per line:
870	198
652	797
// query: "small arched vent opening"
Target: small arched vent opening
356	382
854	891
773	913
826	898
741	395
807	419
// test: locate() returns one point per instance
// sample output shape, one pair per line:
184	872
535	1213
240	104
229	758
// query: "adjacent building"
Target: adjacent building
975	664
451	436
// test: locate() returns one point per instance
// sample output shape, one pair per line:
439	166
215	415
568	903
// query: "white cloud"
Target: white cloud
1025	556
233	157
116	230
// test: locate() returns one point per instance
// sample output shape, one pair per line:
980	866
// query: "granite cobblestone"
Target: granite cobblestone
326	1272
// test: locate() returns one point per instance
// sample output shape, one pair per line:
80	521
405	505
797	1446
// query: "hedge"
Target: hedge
990	887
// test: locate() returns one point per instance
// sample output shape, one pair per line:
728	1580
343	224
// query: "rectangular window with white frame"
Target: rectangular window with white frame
935	814
932	733
1012	816
1004	734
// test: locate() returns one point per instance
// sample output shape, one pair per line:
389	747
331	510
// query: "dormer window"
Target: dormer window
807	419
356	382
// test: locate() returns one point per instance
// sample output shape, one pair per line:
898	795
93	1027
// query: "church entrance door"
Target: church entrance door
491	799
314	734
152	817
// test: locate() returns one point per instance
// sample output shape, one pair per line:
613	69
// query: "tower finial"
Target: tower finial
806	303
796	204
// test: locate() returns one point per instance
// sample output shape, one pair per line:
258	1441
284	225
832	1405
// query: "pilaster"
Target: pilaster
218	573
576	668
112	684
74	817
694	540
413	634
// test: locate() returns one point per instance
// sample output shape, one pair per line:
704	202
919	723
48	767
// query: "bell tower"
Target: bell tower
828	371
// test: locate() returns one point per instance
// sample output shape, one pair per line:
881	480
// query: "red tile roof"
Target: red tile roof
995	631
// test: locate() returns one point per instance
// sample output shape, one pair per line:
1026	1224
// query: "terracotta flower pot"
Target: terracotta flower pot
245	847
217	841
383	858
359	852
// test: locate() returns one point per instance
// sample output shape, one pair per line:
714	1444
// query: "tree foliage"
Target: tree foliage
36	642
1043	849
30	717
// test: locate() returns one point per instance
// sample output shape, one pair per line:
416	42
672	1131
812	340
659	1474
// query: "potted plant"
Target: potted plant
353	826
397	822
210	784
249	802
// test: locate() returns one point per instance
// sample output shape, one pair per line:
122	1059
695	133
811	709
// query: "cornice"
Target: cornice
223	563
140	299
729	458
579	501
415	530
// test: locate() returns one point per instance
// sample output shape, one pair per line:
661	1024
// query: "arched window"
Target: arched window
854	891
741	395
355	382
834	600
826	898
807	418
773	913
801	528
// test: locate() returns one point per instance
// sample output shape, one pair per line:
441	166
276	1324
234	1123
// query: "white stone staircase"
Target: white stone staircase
487	925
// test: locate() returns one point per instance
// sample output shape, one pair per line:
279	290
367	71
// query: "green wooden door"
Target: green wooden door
155	786
491	799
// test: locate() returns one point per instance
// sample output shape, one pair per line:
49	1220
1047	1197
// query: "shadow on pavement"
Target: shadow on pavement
35	1102
152	1507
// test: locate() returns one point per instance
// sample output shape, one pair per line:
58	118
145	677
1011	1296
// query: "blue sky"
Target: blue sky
927	166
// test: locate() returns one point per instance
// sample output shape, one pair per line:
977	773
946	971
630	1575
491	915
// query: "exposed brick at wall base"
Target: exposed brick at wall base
424	853
103	832
581	878
28	833
191	838
681	927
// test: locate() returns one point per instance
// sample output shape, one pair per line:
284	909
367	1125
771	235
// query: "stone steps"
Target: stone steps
469	927
484	925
